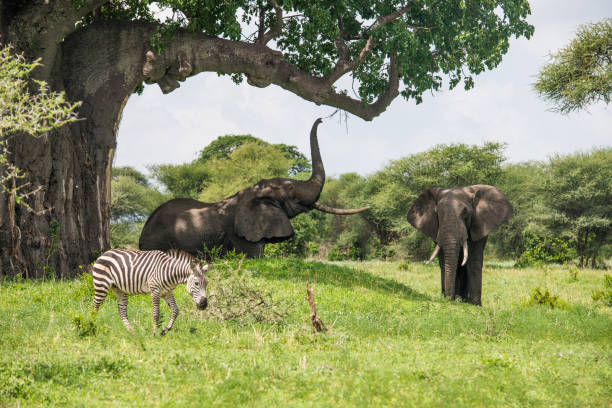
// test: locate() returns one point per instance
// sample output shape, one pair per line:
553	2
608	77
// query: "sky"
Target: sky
502	107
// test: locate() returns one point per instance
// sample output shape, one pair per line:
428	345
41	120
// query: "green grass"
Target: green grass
393	340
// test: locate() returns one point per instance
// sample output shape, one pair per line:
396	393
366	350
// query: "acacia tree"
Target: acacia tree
100	51
580	74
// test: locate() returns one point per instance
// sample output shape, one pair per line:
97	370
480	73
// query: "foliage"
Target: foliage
455	39
604	295
578	191
521	184
543	250
25	112
367	306
133	199
192	179
223	146
182	180
244	167
581	73
541	297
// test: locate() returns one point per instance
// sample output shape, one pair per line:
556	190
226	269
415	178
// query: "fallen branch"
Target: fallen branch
316	322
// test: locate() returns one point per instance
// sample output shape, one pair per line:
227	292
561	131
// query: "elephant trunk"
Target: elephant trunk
451	256
309	191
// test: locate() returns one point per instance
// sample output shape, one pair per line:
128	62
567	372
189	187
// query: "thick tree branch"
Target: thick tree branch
275	29
343	65
131	61
52	21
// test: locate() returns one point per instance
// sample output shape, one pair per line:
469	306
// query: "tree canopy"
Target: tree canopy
581	73
578	190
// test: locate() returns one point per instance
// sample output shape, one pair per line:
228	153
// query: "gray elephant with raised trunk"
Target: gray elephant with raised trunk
246	221
459	220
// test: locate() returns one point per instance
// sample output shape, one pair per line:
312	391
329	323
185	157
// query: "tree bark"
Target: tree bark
72	165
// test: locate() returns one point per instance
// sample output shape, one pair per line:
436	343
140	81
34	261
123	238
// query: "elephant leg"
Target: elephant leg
461	282
474	271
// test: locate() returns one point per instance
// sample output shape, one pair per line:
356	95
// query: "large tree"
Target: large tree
100	51
578	190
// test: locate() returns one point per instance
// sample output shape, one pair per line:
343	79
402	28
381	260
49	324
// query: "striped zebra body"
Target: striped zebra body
154	272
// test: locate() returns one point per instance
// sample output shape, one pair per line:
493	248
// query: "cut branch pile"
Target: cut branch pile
238	297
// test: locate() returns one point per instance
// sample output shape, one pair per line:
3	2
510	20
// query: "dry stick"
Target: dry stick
316	322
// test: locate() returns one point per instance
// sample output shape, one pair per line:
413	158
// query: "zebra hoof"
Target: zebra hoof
163	332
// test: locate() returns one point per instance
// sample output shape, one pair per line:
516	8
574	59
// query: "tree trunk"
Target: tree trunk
71	165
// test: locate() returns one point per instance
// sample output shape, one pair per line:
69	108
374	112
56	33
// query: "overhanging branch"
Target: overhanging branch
191	53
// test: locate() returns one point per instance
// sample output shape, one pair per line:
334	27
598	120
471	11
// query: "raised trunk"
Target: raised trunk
310	190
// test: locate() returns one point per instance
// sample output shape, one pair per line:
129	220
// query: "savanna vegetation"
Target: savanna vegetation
562	206
542	339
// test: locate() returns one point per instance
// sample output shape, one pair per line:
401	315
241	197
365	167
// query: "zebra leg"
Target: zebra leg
100	294
122	302
155	300
169	298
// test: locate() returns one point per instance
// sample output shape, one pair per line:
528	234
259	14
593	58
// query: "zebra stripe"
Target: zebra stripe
154	272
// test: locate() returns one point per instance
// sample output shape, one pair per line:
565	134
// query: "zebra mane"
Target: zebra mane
181	256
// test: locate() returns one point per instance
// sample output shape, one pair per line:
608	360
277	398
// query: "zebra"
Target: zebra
154	272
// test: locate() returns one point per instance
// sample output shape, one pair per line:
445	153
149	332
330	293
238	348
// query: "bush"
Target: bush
543	250
604	295
544	298
350	252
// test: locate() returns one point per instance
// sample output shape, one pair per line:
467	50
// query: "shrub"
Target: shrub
349	252
604	295
544	298
543	250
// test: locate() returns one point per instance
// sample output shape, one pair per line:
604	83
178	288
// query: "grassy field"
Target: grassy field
393	340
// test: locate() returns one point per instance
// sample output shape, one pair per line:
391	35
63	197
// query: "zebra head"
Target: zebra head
196	285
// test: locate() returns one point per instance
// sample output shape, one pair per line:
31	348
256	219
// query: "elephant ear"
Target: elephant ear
422	214
491	208
261	219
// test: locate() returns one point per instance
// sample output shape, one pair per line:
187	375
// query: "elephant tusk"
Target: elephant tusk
339	211
435	252
465	253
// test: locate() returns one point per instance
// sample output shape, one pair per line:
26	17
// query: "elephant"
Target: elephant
246	221
459	220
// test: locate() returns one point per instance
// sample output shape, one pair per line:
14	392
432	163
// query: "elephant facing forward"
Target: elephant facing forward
246	221
459	220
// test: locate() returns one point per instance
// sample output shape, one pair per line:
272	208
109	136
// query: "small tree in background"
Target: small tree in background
578	190
581	73
132	200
